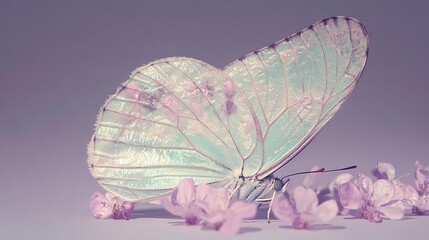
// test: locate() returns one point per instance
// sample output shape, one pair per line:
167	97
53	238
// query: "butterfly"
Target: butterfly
181	118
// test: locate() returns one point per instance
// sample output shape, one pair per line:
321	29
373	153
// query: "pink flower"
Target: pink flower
182	202
100	207
220	213
209	205
405	195
314	180
304	210
373	200
421	205
110	206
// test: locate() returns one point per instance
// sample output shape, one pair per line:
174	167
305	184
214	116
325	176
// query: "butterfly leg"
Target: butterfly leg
270	206
267	200
235	190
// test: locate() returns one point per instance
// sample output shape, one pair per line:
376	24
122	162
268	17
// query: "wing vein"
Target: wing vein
324	62
161	167
172	93
211	105
255	90
307	53
144	145
298	67
284	77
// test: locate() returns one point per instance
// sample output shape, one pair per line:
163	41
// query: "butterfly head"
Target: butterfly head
279	185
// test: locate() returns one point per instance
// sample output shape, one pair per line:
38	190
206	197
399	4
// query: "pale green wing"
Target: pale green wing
174	118
297	84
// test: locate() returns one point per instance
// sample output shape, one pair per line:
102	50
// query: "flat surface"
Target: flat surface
60	60
154	223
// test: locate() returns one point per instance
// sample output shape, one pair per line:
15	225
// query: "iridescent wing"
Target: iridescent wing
174	118
178	117
297	84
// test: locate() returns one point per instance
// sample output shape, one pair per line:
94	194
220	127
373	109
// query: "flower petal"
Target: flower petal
217	199
386	170
185	192
410	193
365	185
326	211
398	190
243	209
214	217
384	191
111	198
305	199
231	226
422	178
422	204
350	196
177	210
202	191
312	180
391	212
96	198
340	179
100	206
283	210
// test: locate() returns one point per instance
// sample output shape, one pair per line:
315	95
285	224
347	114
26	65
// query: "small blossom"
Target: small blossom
100	207
373	200
405	195
313	181
182	202
304	210
110	206
227	221
220	213
207	205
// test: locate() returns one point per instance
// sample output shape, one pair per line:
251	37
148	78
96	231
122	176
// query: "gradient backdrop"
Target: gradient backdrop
60	60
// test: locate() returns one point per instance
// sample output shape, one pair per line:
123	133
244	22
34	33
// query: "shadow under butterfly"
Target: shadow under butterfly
181	118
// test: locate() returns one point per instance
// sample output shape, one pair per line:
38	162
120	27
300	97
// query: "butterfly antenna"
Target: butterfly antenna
299	173
320	170
341	169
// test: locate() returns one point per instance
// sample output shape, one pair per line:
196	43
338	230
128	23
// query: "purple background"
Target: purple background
60	60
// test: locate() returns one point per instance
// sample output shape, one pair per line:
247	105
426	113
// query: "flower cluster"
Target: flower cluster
110	206
386	197
374	200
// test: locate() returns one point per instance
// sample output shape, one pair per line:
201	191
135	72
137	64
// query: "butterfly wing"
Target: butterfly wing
174	118
297	84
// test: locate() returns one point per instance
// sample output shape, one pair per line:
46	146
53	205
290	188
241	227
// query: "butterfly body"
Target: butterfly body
181	118
249	188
